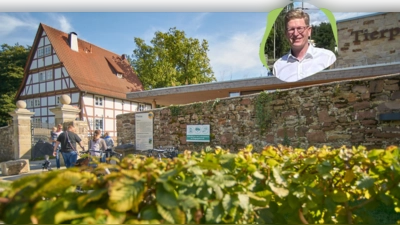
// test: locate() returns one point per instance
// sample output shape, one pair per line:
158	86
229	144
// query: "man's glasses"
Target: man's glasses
299	29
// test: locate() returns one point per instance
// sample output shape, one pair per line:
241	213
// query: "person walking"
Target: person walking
68	141
110	145
54	135
97	146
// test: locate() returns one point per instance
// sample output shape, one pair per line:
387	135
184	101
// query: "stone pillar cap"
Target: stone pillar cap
21	104
65	99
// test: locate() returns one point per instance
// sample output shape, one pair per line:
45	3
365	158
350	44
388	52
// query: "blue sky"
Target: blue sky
234	37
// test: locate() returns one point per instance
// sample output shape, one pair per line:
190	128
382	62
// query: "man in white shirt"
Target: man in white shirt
303	59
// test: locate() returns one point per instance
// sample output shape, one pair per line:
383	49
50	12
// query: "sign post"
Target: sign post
144	130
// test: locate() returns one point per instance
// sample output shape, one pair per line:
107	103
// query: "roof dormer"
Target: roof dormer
116	69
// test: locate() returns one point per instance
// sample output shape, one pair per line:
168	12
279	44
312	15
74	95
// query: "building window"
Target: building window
142	107
99	124
98	101
37	102
29	103
49	74
42	77
47	50
234	94
36	121
40	52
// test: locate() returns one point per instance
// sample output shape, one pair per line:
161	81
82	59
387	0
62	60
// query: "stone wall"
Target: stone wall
7	143
369	40
334	114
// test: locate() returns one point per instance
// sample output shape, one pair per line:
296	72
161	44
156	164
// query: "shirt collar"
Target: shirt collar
309	53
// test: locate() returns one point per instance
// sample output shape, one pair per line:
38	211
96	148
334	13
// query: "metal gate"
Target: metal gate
40	139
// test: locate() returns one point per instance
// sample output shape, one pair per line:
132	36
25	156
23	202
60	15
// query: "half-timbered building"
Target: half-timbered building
96	79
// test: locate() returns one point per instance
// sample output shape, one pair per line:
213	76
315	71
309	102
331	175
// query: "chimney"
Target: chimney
123	56
73	41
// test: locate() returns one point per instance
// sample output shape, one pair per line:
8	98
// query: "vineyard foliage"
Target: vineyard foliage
276	185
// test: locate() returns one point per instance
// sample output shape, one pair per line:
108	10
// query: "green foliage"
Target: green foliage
198	106
263	110
278	185
7	104
323	37
12	63
336	90
175	110
172	60
214	104
278	33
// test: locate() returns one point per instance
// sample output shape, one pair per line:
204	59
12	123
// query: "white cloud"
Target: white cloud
317	16
237	56
9	24
187	23
347	15
65	24
61	22
305	5
198	20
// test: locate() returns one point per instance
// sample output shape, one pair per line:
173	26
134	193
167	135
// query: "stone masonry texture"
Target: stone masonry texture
369	40
334	114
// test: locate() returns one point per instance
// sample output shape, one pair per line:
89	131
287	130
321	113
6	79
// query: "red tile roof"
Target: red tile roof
89	67
114	65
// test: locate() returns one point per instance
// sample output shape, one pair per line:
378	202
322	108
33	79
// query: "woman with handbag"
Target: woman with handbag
97	146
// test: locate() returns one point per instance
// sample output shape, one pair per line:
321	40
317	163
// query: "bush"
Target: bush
278	185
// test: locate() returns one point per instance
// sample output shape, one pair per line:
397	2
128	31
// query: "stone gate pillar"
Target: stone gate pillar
22	141
65	112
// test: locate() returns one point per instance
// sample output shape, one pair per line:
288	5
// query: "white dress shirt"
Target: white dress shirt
290	69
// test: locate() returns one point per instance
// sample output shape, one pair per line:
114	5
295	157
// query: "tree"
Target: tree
282	45
323	36
12	63
172	60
